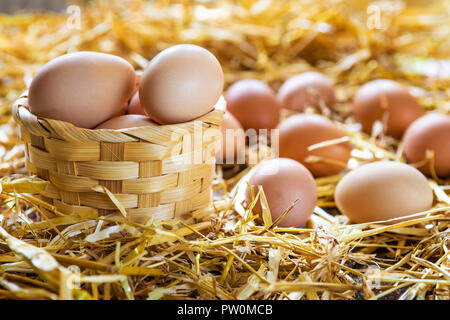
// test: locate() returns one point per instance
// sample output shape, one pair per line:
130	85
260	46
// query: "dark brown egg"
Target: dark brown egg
254	104
301	131
308	89
386	99
285	181
430	132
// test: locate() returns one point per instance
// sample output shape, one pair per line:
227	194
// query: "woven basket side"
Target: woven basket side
150	181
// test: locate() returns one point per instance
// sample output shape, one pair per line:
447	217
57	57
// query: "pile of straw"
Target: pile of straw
217	252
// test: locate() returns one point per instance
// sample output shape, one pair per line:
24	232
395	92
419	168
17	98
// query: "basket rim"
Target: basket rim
20	103
64	130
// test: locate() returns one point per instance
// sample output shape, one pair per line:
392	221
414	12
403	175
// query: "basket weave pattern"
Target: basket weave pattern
155	173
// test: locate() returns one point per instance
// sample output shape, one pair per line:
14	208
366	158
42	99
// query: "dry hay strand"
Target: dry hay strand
218	252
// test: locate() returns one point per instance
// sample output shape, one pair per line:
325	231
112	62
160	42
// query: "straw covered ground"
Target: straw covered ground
218	253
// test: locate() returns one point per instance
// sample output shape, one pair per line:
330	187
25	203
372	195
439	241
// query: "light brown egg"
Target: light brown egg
127	121
430	132
254	104
380	99
232	144
181	84
285	181
84	88
381	191
300	131
135	107
308	89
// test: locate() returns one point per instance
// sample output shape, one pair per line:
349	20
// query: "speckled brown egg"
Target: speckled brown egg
135	107
180	84
254	104
301	131
127	121
232	143
386	99
308	89
381	191
430	132
84	88
284	181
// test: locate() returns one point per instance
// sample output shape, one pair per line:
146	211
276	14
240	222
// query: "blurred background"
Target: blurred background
11	6
351	41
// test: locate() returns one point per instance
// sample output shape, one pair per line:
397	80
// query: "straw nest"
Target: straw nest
218	252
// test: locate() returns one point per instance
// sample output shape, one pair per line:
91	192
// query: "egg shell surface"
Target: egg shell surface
254	104
180	84
307	89
83	88
430	132
300	131
386	99
381	191
285	181
135	107
232	142
127	121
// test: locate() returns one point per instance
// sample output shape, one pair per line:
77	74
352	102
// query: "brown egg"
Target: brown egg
430	132
127	121
181	84
135	107
381	191
308	89
285	181
232	144
254	104
300	131
381	99
84	88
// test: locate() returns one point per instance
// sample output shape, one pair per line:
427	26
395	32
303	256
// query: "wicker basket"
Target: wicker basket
149	174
